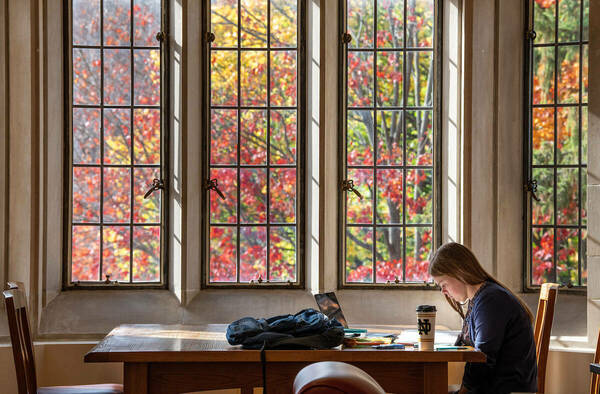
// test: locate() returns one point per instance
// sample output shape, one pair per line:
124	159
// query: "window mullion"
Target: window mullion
239	131
268	145
101	246
132	134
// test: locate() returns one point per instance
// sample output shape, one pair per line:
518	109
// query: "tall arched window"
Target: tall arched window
116	161
389	141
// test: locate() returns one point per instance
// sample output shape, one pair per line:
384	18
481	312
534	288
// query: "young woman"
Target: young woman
496	322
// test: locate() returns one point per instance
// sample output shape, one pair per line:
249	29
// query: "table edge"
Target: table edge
288	356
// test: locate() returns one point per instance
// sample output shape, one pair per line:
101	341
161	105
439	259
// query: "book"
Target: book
369	341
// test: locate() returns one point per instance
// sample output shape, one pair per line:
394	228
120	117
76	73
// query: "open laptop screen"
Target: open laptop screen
330	307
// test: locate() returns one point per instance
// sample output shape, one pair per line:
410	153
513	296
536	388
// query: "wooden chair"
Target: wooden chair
543	327
20	337
595	382
335	377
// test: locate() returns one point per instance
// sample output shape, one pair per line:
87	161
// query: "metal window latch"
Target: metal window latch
161	36
349	185
210	36
346	38
212	184
531	186
156	184
530	35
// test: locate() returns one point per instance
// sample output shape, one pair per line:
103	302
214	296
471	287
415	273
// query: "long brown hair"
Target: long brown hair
457	261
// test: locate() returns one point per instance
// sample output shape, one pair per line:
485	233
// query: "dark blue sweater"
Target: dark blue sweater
500	328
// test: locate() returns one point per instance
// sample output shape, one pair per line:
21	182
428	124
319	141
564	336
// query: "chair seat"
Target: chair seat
335	377
83	389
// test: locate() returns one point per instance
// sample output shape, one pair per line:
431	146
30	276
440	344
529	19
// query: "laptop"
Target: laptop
330	307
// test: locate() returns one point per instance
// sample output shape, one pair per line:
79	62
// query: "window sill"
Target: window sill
571	344
90	313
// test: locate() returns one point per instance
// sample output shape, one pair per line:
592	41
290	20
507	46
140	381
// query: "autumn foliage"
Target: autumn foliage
389	138
254	140
116	140
560	77
253	65
254	153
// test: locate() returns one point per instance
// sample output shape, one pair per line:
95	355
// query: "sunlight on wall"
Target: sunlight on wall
176	205
312	168
450	118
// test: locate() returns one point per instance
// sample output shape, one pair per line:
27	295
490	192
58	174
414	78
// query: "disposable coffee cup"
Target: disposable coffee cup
426	326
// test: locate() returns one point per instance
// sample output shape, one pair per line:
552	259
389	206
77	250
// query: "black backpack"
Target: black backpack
307	329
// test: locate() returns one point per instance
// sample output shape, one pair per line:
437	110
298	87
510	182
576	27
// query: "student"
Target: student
496	322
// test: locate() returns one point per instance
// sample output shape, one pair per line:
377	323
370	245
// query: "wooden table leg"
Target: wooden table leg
435	378
247	390
135	378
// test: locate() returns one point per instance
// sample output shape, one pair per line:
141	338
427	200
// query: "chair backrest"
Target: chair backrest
543	327
595	383
334	377
20	337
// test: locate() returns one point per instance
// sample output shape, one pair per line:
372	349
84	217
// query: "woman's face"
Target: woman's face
452	287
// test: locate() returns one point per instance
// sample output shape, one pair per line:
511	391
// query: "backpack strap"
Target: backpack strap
263	361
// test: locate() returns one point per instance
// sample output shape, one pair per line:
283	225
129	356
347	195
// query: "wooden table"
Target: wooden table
180	359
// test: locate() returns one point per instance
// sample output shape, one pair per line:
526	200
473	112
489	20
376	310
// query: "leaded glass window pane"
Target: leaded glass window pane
256	153
389	134
116	142
557	143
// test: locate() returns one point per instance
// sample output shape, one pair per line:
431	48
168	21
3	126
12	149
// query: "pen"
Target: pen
452	348
389	346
